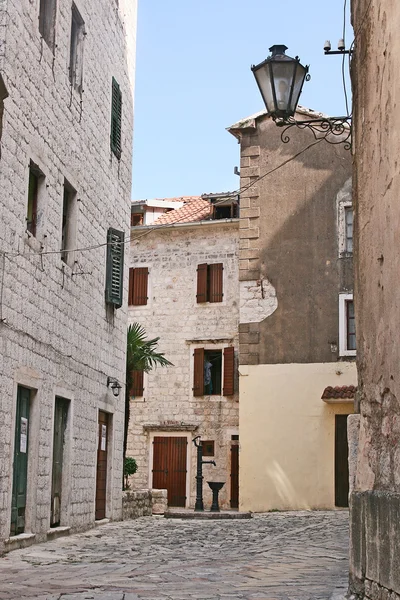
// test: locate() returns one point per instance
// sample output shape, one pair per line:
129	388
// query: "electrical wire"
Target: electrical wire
344	59
128	236
245	188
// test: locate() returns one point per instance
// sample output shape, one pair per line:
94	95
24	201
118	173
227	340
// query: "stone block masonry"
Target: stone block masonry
58	338
168	406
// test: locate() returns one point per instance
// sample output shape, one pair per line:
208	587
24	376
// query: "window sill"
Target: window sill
348	354
33	242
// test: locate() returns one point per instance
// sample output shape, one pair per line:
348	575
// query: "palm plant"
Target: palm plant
141	355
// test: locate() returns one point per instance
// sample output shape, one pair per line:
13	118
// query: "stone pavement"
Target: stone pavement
275	556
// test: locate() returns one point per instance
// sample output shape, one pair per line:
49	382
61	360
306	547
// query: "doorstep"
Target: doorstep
57	532
23	540
182	513
101	522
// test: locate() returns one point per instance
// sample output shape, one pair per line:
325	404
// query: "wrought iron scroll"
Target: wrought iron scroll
334	130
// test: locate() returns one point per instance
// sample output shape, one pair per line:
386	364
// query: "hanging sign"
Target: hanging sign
103	444
23	436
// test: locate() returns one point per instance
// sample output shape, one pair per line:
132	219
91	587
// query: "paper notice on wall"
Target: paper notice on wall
23	436
103	444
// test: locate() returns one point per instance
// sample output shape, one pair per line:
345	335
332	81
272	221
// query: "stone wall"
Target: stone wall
143	503
168	407
375	504
57	335
291	225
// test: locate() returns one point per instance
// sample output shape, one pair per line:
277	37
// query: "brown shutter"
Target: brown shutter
140	281
229	371
137	384
215	291
198	378
130	289
202	283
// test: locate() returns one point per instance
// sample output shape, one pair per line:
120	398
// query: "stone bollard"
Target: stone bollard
160	501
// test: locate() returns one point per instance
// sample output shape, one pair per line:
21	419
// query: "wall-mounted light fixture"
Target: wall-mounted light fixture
114	384
280	80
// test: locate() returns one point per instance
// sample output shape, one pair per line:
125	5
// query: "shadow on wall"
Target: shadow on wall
282	486
300	258
3	96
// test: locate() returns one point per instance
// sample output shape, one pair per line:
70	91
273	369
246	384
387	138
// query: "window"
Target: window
136	219
76	49
348	214
47	22
36	179
138	286
115	267
208	448
226	211
68	230
116	117
347	330
209	283
137	388
209	365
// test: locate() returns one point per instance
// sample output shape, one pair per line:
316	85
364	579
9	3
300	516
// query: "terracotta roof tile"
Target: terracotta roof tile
339	392
193	210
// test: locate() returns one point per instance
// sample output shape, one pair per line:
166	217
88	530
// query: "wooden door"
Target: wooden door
341	461
20	466
60	424
169	468
101	478
234	476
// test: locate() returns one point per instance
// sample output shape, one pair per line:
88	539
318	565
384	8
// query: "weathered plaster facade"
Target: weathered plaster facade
375	503
292	268
168	407
57	335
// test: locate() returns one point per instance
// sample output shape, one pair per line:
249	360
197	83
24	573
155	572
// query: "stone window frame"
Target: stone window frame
208	304
210	345
343	349
342	239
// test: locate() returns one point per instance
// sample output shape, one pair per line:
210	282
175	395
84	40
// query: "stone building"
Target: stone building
375	502
296	335
184	289
66	120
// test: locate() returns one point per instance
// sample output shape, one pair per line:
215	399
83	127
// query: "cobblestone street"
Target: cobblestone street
275	556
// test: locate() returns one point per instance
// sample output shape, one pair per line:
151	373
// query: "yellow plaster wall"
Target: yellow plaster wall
287	434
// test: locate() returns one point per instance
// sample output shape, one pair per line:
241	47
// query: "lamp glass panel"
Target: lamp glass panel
298	84
263	79
283	73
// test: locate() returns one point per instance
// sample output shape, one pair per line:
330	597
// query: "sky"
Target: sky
193	80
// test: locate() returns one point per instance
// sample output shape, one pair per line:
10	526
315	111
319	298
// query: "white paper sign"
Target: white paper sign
103	438
24	435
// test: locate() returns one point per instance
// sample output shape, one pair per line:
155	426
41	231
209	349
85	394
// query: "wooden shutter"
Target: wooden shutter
198	378
140	279
115	267
202	283
215	290
130	288
229	371
116	119
137	383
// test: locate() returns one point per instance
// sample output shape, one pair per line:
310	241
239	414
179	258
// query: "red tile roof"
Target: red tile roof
194	209
178	199
339	392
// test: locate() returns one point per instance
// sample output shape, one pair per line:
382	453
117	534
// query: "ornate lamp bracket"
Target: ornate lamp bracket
334	130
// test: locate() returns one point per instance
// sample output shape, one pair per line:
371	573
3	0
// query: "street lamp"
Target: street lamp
280	80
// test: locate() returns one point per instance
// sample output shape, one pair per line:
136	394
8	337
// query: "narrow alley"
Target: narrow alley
274	556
